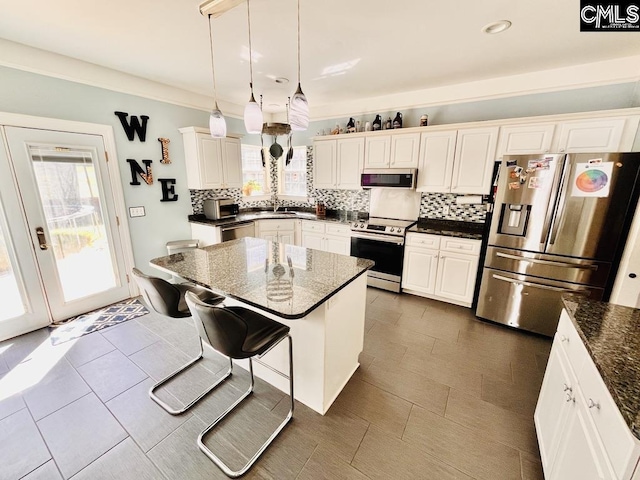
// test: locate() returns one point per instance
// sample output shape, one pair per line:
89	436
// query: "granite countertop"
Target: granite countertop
339	216
449	228
611	335
285	280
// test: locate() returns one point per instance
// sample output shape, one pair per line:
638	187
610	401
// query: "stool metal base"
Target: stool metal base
165	406
212	456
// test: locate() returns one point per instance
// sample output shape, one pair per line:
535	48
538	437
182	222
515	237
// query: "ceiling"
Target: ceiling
351	50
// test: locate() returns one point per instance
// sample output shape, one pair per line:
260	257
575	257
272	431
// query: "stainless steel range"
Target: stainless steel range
381	237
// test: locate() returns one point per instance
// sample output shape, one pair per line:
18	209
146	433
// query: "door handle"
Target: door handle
42	241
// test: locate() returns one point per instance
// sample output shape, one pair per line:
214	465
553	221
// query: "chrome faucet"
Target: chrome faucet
274	201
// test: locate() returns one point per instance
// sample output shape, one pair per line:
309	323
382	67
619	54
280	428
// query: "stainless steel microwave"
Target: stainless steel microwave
220	207
389	178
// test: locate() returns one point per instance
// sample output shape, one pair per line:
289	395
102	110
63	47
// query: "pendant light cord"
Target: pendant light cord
213	73
250	52
298	42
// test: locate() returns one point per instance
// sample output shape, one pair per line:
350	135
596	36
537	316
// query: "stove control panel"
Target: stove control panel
364	226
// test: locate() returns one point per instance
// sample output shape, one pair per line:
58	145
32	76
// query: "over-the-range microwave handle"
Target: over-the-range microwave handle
546	262
539	285
558	179
559	210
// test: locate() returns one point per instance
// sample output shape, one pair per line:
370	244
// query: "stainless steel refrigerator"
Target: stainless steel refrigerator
559	225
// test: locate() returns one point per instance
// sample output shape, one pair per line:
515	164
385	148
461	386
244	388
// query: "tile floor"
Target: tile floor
439	395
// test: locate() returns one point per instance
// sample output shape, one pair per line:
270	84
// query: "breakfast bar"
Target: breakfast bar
321	296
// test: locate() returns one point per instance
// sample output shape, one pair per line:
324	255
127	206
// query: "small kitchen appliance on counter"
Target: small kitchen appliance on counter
220	207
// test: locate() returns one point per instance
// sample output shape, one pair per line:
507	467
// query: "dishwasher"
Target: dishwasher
237	230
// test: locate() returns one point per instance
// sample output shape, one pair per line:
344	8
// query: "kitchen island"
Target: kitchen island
588	413
321	296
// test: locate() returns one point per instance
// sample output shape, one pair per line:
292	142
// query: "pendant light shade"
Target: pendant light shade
299	111
217	123
299	108
253	115
252	112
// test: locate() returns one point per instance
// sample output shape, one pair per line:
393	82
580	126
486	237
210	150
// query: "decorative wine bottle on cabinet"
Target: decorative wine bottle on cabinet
351	125
377	123
397	122
387	125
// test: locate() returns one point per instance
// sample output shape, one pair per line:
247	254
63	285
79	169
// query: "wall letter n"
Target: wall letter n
136	169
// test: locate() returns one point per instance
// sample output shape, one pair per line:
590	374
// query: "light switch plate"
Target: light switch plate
136	212
445	210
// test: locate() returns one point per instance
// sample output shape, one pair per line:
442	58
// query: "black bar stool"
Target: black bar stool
240	333
168	299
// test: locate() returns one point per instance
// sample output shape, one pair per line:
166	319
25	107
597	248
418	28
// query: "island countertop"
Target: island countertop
611	335
285	280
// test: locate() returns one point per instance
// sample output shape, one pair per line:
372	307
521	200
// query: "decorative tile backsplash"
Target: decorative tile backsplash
431	204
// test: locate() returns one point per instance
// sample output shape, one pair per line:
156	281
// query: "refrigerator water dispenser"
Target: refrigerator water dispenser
514	218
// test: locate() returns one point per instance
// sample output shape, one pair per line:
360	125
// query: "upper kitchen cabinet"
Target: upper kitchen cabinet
437	150
615	134
378	151
404	150
392	151
525	139
337	164
457	161
474	159
211	162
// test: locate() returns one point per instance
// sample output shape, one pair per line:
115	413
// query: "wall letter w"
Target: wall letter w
134	127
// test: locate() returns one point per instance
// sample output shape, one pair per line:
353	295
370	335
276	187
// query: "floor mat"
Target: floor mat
97	320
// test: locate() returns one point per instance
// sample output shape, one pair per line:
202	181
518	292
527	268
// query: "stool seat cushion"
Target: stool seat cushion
236	332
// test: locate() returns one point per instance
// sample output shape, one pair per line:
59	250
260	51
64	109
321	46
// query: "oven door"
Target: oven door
386	250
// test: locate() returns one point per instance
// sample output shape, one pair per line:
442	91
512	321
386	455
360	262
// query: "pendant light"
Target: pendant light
299	107
252	112
217	123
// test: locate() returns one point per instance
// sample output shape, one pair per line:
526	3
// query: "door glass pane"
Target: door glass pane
74	213
10	292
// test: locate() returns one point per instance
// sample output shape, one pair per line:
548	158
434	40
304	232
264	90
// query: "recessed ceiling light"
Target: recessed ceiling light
497	27
282	80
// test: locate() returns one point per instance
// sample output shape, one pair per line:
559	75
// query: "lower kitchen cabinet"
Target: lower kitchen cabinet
439	267
281	231
581	433
326	236
205	234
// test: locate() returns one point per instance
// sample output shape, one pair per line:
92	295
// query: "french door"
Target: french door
61	253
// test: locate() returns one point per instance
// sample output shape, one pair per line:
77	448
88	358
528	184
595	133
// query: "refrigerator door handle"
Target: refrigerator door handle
549	216
546	262
538	285
559	211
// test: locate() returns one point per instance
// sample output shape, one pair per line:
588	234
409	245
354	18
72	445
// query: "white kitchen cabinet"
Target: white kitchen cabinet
337	164
474	160
581	433
326	236
205	234
211	162
349	163
457	161
324	163
377	151
441	267
525	139
435	166
456	277
587	136
404	150
276	230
